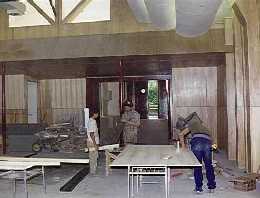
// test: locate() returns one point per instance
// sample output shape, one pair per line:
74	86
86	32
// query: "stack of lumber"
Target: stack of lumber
246	183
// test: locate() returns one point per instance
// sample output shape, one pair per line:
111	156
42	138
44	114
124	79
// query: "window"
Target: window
32	17
92	11
73	11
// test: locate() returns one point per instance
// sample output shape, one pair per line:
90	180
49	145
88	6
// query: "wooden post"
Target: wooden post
231	91
58	7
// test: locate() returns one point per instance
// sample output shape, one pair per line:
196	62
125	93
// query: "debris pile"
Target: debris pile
62	137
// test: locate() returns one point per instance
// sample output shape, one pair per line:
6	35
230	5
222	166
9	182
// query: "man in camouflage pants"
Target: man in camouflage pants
131	120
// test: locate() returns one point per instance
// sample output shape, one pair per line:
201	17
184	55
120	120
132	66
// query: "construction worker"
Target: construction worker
201	146
93	140
131	120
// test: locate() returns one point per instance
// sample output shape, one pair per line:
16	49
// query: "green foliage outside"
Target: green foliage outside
153	92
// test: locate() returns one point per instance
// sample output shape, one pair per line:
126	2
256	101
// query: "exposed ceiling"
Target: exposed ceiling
109	66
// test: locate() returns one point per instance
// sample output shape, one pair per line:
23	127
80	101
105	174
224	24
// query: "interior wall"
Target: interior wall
62	100
195	89
245	146
16	99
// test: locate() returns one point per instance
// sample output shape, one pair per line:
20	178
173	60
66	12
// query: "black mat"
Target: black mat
75	180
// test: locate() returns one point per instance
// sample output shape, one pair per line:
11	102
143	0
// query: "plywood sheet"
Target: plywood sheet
195	89
62	100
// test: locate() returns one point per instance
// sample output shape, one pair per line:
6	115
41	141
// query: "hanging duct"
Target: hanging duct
162	13
195	17
139	10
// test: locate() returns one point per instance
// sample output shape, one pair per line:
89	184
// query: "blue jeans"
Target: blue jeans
201	147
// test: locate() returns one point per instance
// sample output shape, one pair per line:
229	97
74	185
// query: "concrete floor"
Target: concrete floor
115	186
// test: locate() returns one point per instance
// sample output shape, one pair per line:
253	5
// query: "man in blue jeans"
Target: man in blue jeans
201	146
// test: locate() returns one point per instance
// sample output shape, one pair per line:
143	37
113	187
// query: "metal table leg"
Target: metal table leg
25	183
128	182
43	179
169	179
166	182
137	183
14	185
132	183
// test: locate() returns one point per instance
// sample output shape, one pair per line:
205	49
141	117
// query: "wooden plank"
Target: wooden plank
58	9
222	127
105	147
195	89
44	160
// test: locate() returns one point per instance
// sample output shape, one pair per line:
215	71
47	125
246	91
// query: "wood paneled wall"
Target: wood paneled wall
16	102
249	13
62	100
195	89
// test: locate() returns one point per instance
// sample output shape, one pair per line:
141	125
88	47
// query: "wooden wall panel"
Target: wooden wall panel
15	99
15	92
241	93
195	89
250	12
62	100
222	121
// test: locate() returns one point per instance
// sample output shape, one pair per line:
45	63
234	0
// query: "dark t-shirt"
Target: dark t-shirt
195	125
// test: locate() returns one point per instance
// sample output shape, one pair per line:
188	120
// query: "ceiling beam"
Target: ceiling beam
41	12
58	9
53	8
76	11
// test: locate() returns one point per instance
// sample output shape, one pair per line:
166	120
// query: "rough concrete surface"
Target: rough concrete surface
115	185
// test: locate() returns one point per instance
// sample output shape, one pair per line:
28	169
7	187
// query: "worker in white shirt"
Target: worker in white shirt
93	141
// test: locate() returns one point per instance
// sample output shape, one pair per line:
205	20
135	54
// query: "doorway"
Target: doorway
151	101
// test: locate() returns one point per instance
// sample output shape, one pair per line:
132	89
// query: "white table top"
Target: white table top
155	155
44	161
15	166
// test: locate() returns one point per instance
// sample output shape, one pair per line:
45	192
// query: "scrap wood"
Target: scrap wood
246	178
105	147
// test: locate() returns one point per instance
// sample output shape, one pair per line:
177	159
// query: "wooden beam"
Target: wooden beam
53	8
76	11
41	12
58	8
